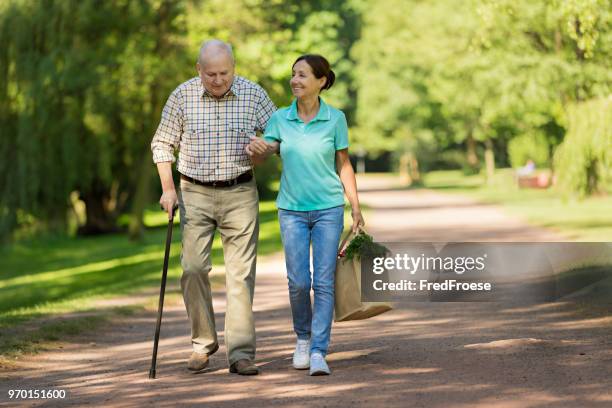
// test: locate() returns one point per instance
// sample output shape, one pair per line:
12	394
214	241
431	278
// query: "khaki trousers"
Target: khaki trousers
234	212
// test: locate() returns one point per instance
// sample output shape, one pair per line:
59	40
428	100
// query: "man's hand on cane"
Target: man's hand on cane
168	202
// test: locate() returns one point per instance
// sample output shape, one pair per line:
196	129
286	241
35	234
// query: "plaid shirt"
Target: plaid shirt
211	133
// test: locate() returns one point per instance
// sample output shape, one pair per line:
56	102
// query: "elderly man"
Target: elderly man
210	119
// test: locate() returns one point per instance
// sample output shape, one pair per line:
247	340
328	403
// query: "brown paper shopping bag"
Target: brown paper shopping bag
348	304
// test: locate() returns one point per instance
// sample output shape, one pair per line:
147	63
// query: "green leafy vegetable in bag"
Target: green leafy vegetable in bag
363	244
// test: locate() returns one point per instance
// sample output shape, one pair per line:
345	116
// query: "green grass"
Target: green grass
62	275
585	220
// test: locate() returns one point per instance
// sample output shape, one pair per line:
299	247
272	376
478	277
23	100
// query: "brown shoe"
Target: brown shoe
244	367
199	361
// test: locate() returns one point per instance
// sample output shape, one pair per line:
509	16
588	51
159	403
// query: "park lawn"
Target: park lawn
47	277
587	220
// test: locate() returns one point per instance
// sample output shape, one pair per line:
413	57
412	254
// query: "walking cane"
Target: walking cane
162	291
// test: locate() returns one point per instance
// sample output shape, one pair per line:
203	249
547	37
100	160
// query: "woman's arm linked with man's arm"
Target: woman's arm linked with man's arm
259	150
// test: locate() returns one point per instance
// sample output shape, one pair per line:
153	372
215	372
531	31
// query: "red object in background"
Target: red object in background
540	180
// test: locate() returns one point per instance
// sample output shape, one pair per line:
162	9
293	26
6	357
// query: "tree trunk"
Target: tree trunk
414	169
489	161
142	198
558	41
472	158
409	169
99	218
404	169
592	178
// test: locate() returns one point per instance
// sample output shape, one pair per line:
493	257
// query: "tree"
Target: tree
584	159
83	83
77	107
268	35
402	47
477	72
555	53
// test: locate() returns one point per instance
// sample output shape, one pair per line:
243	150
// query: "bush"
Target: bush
529	146
583	161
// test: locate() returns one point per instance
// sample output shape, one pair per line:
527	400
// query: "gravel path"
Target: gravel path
420	354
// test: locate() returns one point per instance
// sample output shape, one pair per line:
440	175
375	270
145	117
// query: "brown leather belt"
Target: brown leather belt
243	178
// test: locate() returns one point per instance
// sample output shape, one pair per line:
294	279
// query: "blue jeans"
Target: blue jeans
299	229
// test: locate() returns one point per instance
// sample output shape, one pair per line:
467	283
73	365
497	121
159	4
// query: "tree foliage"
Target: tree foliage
477	71
584	159
81	91
82	84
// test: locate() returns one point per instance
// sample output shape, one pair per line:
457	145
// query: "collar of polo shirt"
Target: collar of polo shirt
323	114
233	91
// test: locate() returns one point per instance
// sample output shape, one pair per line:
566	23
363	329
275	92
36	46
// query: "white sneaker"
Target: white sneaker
318	365
301	355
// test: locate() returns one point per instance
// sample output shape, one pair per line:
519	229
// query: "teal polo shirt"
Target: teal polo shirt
308	151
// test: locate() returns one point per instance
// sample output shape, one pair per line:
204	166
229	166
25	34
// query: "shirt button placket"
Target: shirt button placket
218	141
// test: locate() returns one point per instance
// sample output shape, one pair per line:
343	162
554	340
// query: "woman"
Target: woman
313	140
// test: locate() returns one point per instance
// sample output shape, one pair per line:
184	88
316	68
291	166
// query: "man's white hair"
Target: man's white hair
214	47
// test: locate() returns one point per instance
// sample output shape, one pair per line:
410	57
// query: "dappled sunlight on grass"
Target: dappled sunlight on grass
64	274
59	274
